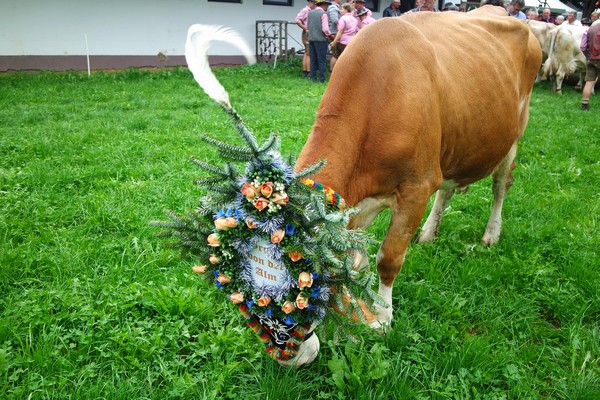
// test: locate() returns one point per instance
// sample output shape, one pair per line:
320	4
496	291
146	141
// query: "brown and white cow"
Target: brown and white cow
423	103
564	56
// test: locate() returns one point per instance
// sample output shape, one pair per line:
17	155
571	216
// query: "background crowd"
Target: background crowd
328	26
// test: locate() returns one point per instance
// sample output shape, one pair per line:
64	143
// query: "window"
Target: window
278	2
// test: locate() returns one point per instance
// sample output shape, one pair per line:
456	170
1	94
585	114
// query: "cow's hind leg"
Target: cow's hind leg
502	182
431	227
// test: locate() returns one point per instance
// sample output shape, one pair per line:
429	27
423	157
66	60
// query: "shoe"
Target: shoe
585	106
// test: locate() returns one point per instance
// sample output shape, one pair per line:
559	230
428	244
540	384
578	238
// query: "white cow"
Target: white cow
542	32
564	56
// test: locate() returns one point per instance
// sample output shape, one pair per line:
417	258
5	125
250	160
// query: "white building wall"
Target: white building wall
126	27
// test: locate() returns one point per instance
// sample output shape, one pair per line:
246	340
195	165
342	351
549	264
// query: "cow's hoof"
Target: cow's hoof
384	315
308	351
426	236
489	240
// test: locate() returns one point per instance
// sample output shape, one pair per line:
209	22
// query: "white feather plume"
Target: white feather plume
199	38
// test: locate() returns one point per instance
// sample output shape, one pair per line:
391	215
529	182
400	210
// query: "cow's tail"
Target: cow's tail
199	38
548	68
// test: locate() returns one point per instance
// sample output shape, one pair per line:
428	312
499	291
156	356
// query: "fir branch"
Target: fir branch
235	152
311	169
208	167
233	155
208	182
219	189
245	133
272	143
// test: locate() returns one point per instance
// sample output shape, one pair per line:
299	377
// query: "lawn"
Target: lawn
93	305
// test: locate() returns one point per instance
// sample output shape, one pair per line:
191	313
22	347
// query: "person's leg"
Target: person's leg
587	92
322	60
334	56
313	60
590	80
306	58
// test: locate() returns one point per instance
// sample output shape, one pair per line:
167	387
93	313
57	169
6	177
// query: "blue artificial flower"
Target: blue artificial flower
289	320
228	212
216	273
250	303
308	261
290	229
239	214
315	291
219	285
269	313
220	213
315	275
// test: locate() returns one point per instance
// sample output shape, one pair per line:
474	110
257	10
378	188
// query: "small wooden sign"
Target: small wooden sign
265	270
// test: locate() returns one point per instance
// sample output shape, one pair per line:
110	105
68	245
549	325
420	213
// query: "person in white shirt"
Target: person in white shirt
571	19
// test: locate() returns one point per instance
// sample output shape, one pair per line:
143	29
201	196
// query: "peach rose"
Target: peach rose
214	260
288	307
236	297
305	279
220	224
295	255
249	191
280	198
261	203
230	222
250	223
213	240
277	236
301	302
223	279
266	189
264	301
199	269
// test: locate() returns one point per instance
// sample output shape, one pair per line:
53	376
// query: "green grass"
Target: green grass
94	306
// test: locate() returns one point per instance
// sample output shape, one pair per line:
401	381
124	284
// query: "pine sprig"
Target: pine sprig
311	170
245	133
272	143
229	151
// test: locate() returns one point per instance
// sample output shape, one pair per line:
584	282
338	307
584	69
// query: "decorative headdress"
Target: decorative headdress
274	241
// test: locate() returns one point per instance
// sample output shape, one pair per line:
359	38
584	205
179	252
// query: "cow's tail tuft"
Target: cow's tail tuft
199	38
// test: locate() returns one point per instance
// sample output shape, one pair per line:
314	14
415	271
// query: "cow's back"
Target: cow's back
426	96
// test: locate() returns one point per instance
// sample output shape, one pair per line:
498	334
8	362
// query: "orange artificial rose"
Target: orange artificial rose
266	189
236	297
249	191
280	198
301	302
264	301
223	279
214	260
288	307
261	203
230	222
220	224
305	279
295	255
199	269
277	236
250	223
213	240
